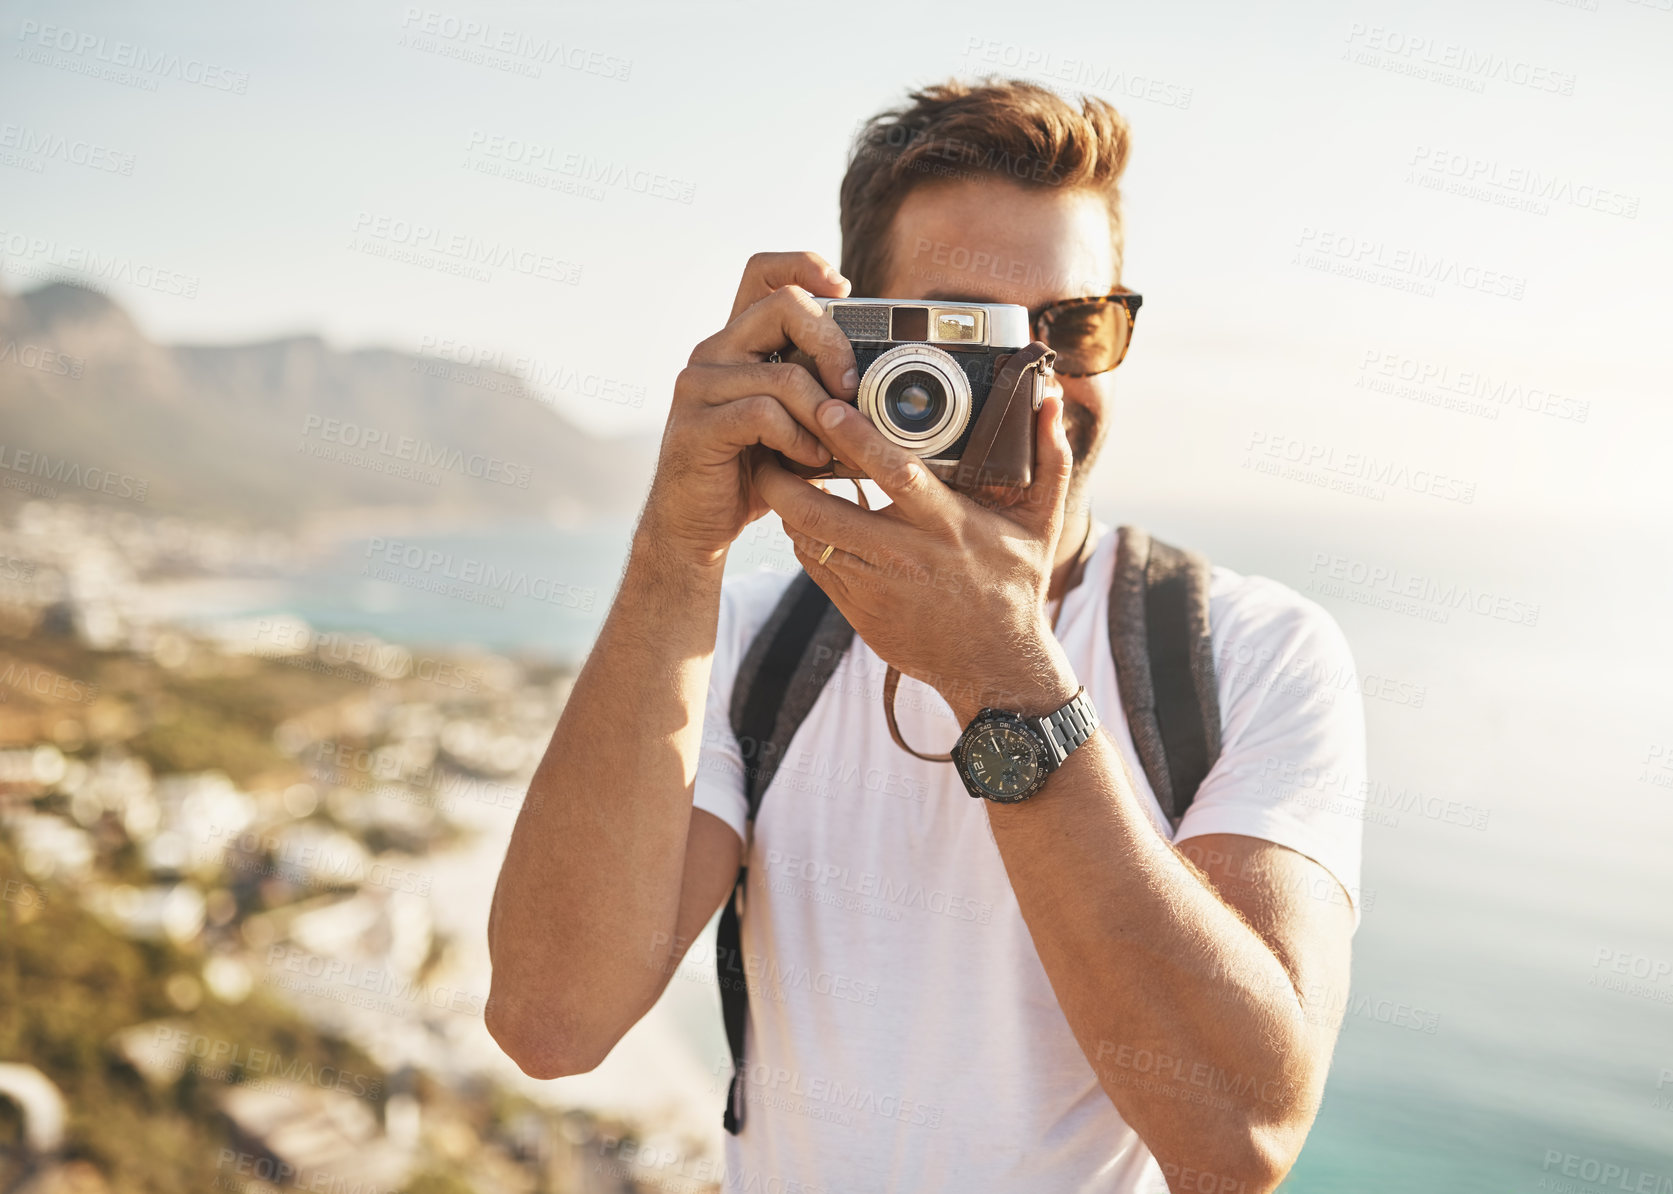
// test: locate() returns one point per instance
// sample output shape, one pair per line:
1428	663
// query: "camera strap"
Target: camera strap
891	684
891	678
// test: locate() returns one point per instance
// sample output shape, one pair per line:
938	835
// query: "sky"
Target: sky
236	173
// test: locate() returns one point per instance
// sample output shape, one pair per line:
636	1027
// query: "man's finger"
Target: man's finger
829	579
761	419
811	512
786	316
1041	508
826	555
916	491
793	386
766	272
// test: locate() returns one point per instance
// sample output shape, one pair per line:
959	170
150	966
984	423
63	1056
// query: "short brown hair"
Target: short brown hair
996	129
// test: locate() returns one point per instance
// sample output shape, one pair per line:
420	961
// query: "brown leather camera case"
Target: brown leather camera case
1000	450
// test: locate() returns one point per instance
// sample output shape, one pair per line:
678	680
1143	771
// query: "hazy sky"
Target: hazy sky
263	170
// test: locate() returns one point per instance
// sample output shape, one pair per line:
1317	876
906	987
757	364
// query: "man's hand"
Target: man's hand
730	403
950	592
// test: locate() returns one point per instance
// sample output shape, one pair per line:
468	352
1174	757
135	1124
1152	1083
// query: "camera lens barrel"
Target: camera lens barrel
918	397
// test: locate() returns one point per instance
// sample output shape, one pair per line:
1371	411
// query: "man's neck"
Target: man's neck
1077	526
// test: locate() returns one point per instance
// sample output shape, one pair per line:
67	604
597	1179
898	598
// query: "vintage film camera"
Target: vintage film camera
959	384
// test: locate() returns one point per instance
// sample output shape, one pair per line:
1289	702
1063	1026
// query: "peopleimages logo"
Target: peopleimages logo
349	766
484	44
496	580
1628	973
419	452
1390	587
40	682
250	1173
359	983
1360	473
906	893
1658	766
42	145
1184	1072
1609	1174
1449	61
810	1094
1526	187
1400	267
1315	680
69	473
217	1057
308	863
417	243
41	358
526	375
1633	965
1105	78
1470	391
148	64
537	159
46	259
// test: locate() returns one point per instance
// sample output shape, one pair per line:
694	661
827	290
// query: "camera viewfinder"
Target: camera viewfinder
955	326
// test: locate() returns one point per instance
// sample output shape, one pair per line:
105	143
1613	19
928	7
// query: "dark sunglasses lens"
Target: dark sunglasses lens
1087	337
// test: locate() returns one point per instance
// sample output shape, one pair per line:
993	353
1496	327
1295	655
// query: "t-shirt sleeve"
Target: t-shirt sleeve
745	604
1292	766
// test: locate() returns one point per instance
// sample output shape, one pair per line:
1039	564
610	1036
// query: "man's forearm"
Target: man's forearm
1149	963
597	855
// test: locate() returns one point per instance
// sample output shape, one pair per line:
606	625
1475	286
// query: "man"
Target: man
1043	995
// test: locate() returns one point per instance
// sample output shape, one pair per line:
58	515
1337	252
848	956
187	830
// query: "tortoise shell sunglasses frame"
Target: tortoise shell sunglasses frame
1129	301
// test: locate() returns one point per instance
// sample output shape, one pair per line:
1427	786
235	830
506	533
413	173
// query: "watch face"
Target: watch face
1002	760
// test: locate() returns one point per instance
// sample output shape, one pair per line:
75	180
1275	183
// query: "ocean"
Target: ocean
1511	1022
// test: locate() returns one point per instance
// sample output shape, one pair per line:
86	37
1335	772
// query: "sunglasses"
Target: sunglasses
1090	335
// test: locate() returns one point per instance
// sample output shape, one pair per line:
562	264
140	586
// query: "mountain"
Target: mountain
285	433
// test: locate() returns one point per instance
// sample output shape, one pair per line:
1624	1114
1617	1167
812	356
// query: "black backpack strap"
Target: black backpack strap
1164	661
780	678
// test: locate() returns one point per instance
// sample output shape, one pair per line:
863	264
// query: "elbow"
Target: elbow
1256	1165
543	1046
1266	1160
1251	1154
1266	1152
1270	1134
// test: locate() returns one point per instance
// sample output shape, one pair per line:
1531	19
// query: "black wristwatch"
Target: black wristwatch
1006	758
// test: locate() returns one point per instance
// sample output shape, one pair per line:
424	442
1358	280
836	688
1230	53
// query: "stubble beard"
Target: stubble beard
1081	430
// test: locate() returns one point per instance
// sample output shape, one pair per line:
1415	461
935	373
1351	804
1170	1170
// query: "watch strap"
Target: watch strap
1068	727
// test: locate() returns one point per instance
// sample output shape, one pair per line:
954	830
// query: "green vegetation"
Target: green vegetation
68	985
195	738
73	991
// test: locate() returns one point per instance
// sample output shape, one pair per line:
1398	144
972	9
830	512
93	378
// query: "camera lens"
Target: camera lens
915	401
918	396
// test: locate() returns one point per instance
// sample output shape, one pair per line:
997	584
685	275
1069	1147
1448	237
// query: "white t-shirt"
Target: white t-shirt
903	1034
